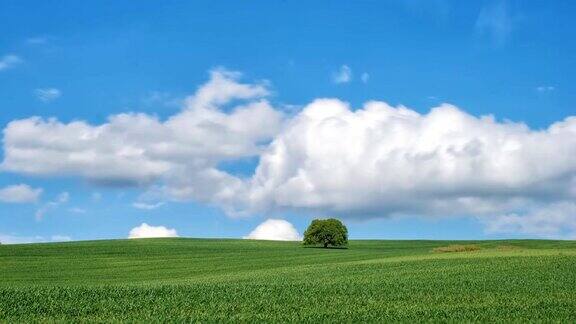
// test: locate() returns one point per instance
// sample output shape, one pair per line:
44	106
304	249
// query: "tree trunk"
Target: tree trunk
325	245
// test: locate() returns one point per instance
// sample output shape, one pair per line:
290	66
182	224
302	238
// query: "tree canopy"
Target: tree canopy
326	232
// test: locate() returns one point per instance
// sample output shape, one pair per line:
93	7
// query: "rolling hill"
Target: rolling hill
242	280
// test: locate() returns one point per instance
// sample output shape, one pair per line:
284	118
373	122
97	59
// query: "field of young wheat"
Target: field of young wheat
241	280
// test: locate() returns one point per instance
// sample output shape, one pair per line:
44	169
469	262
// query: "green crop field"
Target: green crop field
247	281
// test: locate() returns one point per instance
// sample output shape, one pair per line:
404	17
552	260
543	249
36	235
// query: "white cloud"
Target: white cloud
380	160
557	220
61	199
96	196
223	88
9	61
147	206
545	88
274	230
60	238
18	239
495	22
15	239
146	231
374	161
21	193
161	98
47	94
365	77
181	152
344	75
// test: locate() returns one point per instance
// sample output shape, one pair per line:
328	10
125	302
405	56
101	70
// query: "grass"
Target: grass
257	281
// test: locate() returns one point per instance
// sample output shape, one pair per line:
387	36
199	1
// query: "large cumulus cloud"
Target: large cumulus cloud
139	149
381	160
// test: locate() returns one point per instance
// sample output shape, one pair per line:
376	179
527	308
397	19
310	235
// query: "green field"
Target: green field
240	280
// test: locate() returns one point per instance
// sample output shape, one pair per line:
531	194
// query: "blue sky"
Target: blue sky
79	61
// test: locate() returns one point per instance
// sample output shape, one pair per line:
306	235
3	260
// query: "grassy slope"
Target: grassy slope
178	279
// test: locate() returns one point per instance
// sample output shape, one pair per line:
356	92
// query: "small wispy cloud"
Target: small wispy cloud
96	196
365	77
62	198
20	239
344	75
545	88
495	23
9	61
77	210
162	98
60	238
21	193
146	206
47	94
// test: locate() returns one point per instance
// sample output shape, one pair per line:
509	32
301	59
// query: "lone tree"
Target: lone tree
326	232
